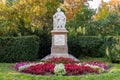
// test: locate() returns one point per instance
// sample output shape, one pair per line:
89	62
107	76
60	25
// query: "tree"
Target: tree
72	7
109	26
103	11
81	20
27	16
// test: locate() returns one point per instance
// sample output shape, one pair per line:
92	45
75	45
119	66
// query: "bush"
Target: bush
15	49
113	50
108	26
85	46
44	42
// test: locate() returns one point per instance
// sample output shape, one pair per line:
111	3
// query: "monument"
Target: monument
59	35
59	46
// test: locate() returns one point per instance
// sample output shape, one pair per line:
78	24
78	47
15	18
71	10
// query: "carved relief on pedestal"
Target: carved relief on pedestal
59	39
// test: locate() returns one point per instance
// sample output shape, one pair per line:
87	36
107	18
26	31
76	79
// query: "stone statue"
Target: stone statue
59	20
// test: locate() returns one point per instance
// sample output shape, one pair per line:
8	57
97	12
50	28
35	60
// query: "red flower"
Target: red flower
73	69
60	60
48	67
36	69
90	70
40	69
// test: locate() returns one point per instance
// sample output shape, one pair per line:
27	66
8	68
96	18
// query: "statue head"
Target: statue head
58	9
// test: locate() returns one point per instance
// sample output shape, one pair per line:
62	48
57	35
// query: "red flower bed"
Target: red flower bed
60	60
40	69
48	67
88	69
68	67
72	69
37	69
97	63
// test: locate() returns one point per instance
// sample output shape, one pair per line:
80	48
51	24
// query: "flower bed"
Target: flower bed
57	60
44	68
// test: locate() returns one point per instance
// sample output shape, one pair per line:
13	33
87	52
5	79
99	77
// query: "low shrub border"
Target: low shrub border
16	49
95	46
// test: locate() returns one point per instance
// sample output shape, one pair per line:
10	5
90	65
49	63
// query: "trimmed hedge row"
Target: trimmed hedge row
15	49
95	46
81	46
26	48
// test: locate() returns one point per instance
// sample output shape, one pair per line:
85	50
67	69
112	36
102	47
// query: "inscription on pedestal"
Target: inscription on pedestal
59	39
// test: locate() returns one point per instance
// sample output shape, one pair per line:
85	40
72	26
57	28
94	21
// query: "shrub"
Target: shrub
81	46
14	49
113	52
44	42
85	46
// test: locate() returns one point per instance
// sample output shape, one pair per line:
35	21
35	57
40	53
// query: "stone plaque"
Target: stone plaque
59	39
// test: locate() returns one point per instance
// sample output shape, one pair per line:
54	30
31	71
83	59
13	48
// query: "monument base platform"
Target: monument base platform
60	55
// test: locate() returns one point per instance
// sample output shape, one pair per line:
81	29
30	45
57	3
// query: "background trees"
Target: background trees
24	17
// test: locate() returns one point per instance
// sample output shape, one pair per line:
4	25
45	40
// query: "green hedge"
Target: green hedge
113	48
15	49
44	43
27	48
95	46
81	46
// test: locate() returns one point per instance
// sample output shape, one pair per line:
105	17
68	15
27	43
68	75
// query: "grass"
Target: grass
7	72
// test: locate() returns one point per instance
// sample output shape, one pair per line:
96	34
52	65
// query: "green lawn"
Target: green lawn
7	72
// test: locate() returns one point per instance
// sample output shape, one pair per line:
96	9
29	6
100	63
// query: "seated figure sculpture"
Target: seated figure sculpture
59	20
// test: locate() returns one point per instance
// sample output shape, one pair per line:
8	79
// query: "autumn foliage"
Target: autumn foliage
72	7
26	16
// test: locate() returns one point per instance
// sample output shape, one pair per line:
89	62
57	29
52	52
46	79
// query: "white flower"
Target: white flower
59	69
100	69
28	65
79	64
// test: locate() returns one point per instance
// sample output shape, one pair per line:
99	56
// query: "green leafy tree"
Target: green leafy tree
103	11
107	26
24	17
81	21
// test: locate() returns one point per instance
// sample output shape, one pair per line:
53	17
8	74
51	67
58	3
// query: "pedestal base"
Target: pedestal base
59	46
60	55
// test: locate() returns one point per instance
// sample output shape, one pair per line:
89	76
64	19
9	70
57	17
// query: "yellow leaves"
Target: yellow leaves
107	51
102	12
30	1
32	29
22	2
2	6
81	30
30	14
36	9
72	7
4	1
6	28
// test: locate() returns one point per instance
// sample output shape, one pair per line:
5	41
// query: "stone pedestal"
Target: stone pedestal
59	46
59	43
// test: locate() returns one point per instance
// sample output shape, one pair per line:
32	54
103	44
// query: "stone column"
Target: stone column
59	43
